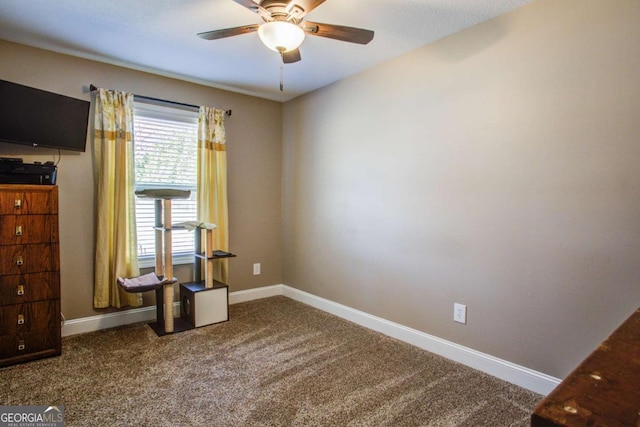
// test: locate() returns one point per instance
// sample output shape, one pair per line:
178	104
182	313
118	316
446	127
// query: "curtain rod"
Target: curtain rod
92	88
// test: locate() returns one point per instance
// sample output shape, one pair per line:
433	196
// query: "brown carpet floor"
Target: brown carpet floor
277	362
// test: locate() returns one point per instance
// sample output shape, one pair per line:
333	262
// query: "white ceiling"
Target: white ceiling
159	36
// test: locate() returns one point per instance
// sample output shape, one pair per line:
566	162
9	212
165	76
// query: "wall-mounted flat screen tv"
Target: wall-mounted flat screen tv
42	119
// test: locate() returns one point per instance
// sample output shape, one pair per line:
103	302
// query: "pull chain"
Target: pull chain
281	71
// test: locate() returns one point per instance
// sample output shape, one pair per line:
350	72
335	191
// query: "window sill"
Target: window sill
178	259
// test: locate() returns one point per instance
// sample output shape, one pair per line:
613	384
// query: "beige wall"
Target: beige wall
498	168
254	168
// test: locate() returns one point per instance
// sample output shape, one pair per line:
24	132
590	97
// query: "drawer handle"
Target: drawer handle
19	261
20	290
18	203
21	345
18	230
20	319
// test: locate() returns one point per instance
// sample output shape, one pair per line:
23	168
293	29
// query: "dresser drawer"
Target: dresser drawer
21	288
24	346
23	259
20	318
37	200
27	229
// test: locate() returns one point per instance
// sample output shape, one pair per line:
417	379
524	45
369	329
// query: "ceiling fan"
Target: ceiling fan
284	30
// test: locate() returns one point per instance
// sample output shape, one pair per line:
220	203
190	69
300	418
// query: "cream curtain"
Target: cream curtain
116	252
212	182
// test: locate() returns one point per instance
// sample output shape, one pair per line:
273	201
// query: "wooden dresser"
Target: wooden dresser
604	390
29	273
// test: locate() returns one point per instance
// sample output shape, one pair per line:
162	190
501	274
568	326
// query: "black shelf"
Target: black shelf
215	255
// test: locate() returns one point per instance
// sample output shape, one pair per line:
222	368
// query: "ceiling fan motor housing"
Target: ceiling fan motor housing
278	10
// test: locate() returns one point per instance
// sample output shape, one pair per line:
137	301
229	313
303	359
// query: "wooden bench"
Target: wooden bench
604	390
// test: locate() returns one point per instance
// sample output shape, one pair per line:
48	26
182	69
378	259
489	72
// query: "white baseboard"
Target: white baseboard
111	320
515	374
256	293
148	314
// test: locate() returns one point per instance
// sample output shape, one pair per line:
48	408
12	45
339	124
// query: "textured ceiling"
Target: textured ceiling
159	36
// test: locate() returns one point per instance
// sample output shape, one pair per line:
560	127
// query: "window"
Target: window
165	149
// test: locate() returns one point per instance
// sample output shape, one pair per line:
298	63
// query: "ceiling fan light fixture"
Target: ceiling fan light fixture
281	36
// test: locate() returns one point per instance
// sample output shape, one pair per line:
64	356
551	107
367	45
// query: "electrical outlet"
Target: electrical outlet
256	269
460	313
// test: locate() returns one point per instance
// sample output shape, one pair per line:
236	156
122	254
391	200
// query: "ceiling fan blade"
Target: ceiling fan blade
228	32
339	32
291	56
299	8
249	4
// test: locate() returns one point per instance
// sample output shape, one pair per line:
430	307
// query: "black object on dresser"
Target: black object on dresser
15	171
29	273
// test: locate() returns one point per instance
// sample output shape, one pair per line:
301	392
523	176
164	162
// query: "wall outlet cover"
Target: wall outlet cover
460	313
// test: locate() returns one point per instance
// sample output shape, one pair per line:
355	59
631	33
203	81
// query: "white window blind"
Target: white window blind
165	147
